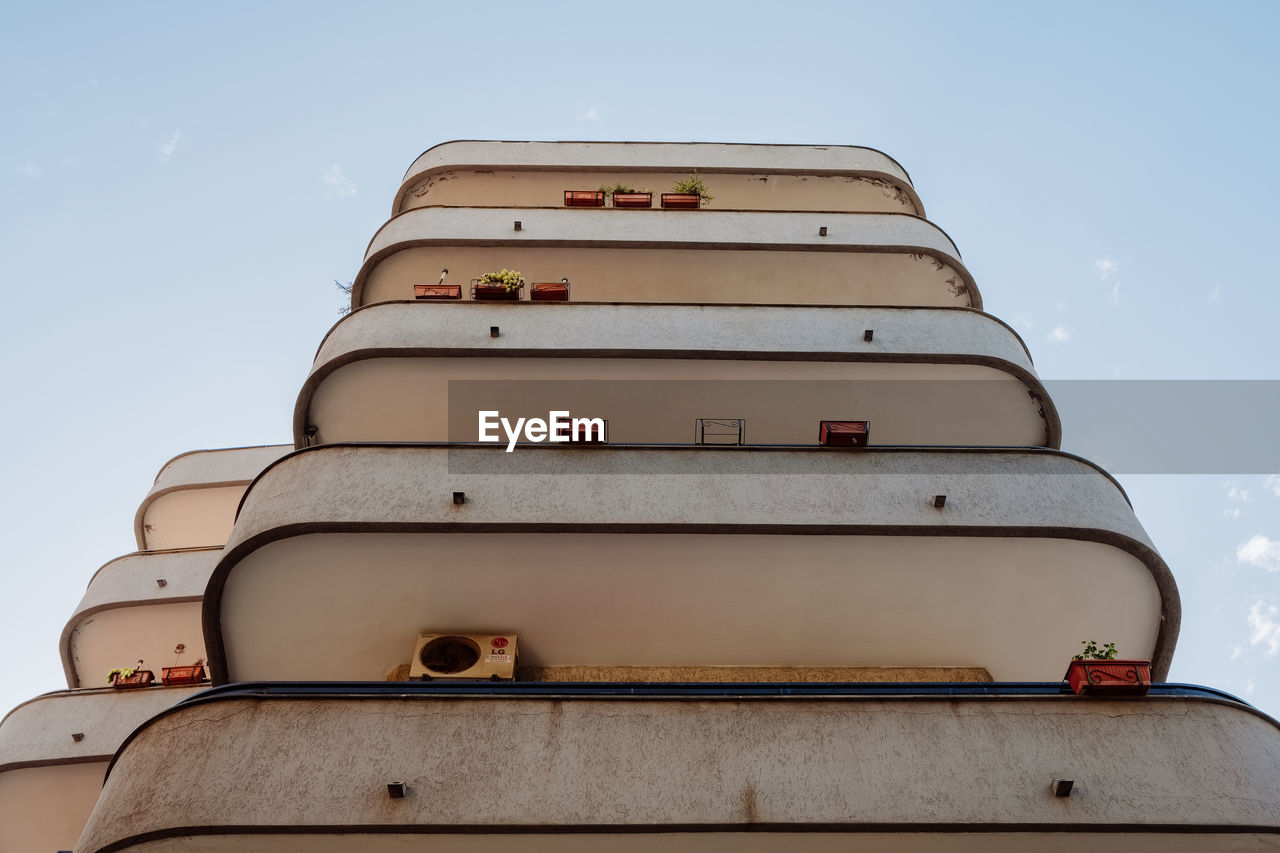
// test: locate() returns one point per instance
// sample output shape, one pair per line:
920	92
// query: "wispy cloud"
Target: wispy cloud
1273	483
1114	298
1060	334
1215	295
1261	552
1022	321
170	145
1263	627
1234	492
1236	651
1105	268
342	185
591	113
1249	685
28	168
1234	512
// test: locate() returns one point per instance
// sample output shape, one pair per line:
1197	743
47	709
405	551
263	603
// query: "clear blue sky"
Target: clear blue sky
179	187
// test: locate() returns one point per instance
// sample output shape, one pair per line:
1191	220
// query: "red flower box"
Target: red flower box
681	201
633	200
140	678
1110	677
583	198
550	291
437	291
489	291
172	675
844	433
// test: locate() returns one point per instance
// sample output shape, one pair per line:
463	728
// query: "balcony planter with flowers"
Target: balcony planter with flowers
501	285
1097	672
176	675
629	197
128	677
687	194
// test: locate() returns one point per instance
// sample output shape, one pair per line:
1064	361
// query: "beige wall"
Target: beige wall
190	518
684	275
523	188
119	636
43	809
658	401
301	608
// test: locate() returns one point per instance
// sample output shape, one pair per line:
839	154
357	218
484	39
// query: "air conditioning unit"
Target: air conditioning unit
464	657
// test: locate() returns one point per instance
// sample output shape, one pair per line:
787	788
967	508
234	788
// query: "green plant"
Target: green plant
510	279
122	671
693	185
1092	651
619	188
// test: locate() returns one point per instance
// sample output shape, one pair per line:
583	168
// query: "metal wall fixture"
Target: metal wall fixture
397	790
518	225
868	335
494	331
822	231
161	582
1062	787
77	736
459	498
939	501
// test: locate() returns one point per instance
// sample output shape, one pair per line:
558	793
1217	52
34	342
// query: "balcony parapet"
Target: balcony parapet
675	158
136	607
802	245
706	541
1162	772
786	343
211	479
54	752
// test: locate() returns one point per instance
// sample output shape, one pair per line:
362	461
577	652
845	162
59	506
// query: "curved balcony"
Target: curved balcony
706	257
1182	769
631	558
139	606
54	752
193	501
414	372
762	177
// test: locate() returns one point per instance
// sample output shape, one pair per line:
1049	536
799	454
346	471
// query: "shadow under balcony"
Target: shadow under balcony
685	558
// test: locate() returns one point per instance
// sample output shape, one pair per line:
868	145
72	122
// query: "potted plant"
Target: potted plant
687	194
172	675
1097	671
584	198
626	196
125	677
503	284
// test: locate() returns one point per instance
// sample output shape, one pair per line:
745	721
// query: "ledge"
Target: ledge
701	535
675	157
957	762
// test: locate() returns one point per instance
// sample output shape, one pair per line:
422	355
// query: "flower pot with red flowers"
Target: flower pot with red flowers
127	677
584	198
176	675
501	285
1098	672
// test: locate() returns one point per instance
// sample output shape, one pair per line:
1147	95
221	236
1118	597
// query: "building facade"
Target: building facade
810	573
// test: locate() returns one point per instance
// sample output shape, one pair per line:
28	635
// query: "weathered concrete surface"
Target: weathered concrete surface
130	584
1159	763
